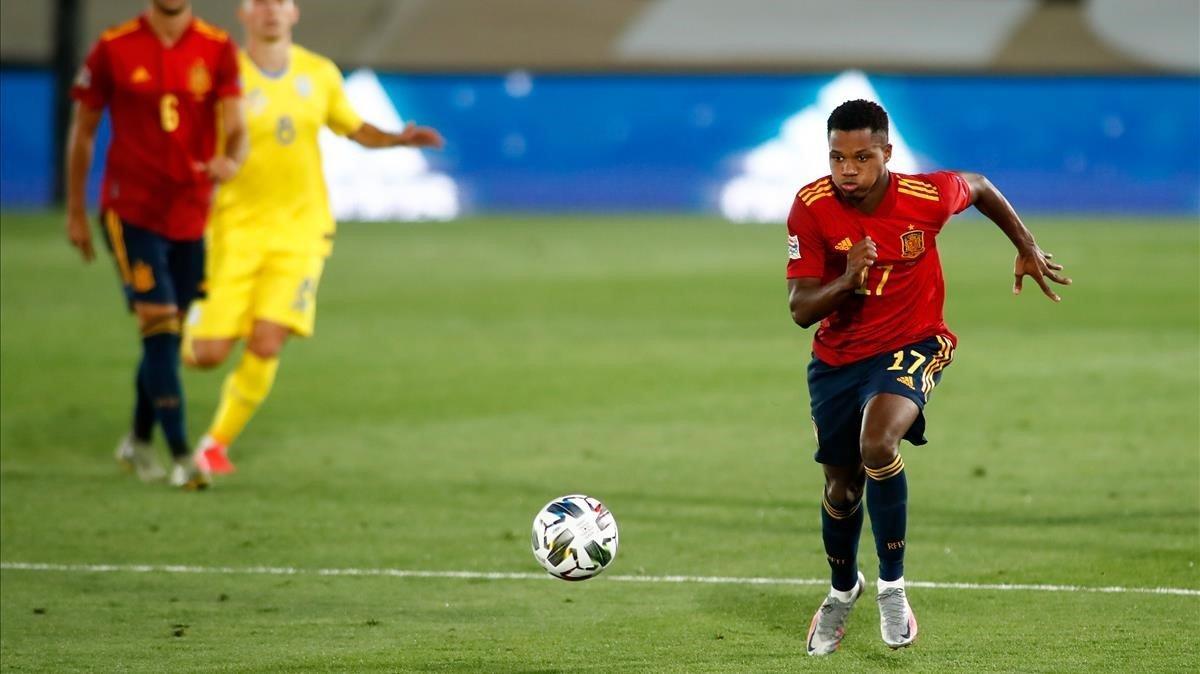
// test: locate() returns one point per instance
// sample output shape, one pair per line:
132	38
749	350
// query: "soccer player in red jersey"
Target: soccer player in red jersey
167	79
863	261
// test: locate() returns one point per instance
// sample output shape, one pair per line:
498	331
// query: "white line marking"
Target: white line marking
499	575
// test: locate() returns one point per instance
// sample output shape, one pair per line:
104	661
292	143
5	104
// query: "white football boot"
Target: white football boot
829	624
187	476
897	622
140	458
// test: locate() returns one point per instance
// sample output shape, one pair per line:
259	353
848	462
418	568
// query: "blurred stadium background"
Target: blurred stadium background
698	105
568	308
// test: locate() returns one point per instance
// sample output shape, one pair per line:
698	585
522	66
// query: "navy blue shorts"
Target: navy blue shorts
840	394
152	268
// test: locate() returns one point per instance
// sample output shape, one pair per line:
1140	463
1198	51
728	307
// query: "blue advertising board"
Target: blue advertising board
738	144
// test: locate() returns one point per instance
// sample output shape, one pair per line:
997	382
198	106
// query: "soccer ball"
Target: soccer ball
574	537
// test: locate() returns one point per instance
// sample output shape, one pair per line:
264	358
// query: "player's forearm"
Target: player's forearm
237	144
369	135
81	146
233	125
992	204
810	302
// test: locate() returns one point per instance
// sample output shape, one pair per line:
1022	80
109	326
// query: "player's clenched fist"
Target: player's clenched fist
859	260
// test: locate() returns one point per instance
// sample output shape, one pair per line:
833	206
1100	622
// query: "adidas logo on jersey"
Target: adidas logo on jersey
907	381
140	74
844	245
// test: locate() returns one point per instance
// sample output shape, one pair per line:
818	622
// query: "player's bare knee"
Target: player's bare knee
880	451
202	360
841	494
267	339
266	346
206	354
844	485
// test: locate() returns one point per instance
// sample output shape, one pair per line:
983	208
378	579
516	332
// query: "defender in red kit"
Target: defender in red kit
863	262
167	79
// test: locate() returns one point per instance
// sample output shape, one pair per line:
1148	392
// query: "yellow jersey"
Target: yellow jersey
278	199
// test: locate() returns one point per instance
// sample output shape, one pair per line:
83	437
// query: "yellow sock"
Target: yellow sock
244	390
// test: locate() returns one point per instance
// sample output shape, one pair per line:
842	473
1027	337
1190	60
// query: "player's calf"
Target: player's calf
887	504
887	418
160	354
245	388
841	527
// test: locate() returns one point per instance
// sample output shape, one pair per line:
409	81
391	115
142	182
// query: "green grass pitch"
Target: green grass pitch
463	374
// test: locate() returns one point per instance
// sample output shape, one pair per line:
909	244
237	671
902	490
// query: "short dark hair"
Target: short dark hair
858	114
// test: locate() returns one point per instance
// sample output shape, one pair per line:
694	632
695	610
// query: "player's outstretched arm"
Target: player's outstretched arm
810	301
81	144
369	135
1031	260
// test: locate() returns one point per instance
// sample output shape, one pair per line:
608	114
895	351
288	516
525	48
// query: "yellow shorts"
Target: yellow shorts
245	284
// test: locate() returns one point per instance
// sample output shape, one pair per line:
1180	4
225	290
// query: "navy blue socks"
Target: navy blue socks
841	526
159	380
887	503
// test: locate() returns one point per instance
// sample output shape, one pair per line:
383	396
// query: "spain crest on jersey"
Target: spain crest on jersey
199	81
912	244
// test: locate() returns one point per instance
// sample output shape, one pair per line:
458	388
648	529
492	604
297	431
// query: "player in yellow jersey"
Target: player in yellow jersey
271	227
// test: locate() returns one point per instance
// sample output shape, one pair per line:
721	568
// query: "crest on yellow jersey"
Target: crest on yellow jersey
256	101
304	86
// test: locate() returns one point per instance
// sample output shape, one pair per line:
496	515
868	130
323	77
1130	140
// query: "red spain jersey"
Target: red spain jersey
162	102
901	301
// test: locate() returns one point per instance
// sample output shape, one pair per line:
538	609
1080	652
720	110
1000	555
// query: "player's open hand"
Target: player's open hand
859	260
1040	265
420	136
80	235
